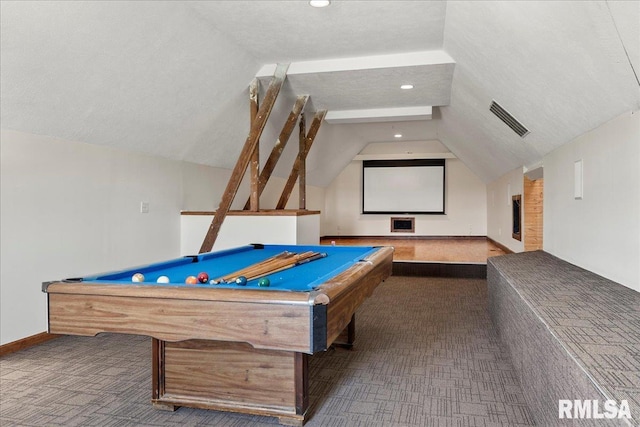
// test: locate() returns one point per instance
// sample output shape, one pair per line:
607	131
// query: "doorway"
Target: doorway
533	194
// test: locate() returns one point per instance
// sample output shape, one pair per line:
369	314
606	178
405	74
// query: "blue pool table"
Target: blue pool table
225	346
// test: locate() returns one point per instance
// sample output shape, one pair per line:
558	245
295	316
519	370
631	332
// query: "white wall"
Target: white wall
71	209
204	186
499	209
466	207
240	230
601	232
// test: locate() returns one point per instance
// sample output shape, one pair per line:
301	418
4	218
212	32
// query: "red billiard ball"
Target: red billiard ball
191	280
203	277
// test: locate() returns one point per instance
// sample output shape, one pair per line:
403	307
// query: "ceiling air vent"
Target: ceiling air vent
508	119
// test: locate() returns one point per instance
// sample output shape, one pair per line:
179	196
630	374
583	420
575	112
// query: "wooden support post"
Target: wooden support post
287	129
302	173
245	156
302	156
254	198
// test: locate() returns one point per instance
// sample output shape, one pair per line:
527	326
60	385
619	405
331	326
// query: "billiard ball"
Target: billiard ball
138	277
191	280
203	277
241	281
264	282
163	279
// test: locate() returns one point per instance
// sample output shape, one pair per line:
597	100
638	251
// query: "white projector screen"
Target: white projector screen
403	186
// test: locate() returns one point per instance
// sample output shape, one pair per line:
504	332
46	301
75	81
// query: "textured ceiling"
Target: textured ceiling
170	78
372	82
290	31
559	67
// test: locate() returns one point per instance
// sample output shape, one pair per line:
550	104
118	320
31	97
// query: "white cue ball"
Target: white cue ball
163	279
138	277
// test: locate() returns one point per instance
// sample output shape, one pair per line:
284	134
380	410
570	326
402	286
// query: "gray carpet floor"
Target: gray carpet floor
426	354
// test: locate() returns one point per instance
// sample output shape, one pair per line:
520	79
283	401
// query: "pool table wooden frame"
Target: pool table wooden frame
225	349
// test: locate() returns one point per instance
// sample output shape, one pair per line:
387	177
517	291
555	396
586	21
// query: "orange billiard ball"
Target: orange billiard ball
191	280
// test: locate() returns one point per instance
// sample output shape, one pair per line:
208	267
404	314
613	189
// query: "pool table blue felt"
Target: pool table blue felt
304	277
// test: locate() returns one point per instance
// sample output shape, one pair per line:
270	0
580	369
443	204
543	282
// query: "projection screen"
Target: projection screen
403	186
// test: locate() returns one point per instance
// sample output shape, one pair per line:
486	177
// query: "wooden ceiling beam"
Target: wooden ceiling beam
302	157
280	144
245	157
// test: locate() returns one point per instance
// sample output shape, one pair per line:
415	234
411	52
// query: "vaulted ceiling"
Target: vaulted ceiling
171	78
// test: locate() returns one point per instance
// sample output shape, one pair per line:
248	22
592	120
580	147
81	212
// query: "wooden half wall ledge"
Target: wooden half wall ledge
262	212
412	237
27	342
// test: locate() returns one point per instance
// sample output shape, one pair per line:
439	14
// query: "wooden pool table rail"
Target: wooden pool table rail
272	326
347	291
200	292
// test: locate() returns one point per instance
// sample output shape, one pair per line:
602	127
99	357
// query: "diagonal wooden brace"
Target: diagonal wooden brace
302	157
254	198
245	157
281	143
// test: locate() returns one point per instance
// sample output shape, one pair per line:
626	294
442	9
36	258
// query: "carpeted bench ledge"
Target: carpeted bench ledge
571	334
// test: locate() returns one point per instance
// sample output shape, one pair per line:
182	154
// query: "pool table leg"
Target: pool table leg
157	379
302	382
231	376
165	406
348	336
301	362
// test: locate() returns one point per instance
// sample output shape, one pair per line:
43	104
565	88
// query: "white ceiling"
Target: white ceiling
170	78
291	31
368	82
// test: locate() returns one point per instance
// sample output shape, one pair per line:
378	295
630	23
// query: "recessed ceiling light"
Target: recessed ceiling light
319	3
406	87
397	135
